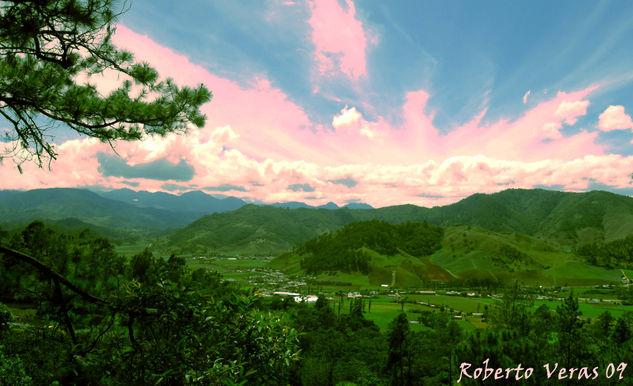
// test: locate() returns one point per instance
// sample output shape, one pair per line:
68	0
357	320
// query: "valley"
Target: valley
492	272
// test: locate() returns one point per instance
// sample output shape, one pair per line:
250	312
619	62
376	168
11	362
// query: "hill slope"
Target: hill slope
258	230
564	219
466	253
85	206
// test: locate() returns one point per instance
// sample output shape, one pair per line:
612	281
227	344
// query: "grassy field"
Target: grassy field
232	268
588	310
129	250
385	309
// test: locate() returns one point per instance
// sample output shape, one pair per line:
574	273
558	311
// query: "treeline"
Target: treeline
346	348
147	320
618	253
342	250
562	339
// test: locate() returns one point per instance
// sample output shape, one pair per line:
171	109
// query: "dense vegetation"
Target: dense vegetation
618	253
339	348
147	320
341	250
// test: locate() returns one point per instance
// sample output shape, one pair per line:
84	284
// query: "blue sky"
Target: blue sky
468	55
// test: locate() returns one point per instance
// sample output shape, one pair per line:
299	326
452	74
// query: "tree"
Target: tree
46	46
398	350
602	327
512	312
622	332
569	325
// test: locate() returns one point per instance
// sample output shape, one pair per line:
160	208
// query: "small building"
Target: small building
284	293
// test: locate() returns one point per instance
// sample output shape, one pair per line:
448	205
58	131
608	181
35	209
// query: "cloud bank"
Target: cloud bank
261	145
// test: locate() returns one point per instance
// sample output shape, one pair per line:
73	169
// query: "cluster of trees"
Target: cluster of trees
536	338
151	320
618	253
343	249
97	318
341	348
347	348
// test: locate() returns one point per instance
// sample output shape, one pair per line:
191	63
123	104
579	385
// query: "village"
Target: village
468	305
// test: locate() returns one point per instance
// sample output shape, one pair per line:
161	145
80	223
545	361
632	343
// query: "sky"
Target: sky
386	103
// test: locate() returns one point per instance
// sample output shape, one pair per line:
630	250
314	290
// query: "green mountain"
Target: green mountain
256	230
367	255
17	207
343	250
194	201
566	220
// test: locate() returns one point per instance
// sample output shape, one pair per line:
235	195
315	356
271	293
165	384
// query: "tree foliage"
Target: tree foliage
342	250
156	321
617	253
48	46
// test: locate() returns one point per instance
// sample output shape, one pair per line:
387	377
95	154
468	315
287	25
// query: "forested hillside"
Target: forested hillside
567	220
257	230
341	251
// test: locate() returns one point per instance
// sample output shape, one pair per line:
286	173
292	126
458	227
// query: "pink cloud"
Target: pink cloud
257	133
614	118
339	38
428	183
267	122
351	120
569	111
525	97
533	136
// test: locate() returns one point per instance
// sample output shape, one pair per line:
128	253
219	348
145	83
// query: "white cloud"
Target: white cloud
614	118
570	111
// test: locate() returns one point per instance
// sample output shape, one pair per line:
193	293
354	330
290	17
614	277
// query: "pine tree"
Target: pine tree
46	46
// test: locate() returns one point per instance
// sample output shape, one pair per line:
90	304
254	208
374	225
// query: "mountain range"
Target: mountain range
563	219
119	213
527	234
196	222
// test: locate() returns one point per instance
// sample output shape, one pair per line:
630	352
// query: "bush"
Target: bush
5	318
11	370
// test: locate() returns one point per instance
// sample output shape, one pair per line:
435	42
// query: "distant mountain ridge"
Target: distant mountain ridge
116	212
85	206
203	203
562	218
193	201
329	205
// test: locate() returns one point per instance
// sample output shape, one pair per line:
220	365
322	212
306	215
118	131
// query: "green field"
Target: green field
384	309
255	271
